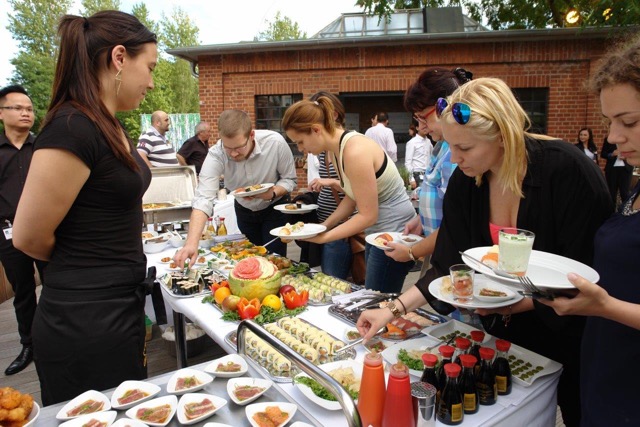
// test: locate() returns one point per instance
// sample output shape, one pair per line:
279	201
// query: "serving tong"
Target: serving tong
359	340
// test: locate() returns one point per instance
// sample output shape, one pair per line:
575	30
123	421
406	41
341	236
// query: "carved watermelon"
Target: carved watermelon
254	277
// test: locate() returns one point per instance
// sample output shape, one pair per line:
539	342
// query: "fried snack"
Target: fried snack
446	287
15	407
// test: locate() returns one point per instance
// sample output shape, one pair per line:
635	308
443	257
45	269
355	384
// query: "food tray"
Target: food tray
165	285
453	327
287	377
540	366
327	300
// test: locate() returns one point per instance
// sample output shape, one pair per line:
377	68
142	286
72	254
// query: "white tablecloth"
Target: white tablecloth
531	406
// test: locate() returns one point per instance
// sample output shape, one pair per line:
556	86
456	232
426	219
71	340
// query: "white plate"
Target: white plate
217	402
327	367
301	210
264	188
235	358
308	231
158	401
300	424
103	417
350	340
405	239
287	407
548	366
202	378
245	381
439	331
371	239
480	282
33	416
494	287
128	422
144	386
390	354
547	271
87	395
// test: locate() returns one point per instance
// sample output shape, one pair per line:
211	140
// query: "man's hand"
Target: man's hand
188	251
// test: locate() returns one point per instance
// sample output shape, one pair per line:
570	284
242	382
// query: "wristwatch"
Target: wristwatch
273	196
394	310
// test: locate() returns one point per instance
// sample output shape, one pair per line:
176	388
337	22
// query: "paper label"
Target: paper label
8	233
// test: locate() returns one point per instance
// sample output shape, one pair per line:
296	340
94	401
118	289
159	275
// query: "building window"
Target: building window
270	110
535	102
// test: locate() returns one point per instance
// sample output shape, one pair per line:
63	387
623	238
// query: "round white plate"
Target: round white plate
33	416
546	271
308	231
390	354
302	210
327	367
355	337
235	358
510	294
154	403
217	402
87	395
150	389
104	417
371	239
245	381
202	378
480	282
405	239
264	188
289	408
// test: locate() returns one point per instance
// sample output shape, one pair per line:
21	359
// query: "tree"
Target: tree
282	28
92	6
512	14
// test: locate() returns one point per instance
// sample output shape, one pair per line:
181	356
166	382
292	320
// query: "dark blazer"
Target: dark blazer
607	154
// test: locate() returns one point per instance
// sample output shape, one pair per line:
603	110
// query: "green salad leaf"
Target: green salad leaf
320	391
411	363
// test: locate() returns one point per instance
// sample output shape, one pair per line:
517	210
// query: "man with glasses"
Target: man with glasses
16	149
245	157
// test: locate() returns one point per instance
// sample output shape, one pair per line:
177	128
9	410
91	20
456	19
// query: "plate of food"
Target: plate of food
410	353
229	366
99	419
296	208
347	372
195	407
187	380
251	190
88	402
526	366
547	271
128	422
155	412
130	393
442	289
270	413
380	240
245	390
299	230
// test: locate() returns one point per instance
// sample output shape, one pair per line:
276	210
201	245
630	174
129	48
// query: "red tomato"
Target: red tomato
292	299
248	309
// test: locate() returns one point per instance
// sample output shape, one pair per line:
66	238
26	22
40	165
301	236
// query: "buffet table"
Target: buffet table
533	406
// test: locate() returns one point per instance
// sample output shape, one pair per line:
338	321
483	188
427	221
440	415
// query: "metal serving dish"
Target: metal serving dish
169	195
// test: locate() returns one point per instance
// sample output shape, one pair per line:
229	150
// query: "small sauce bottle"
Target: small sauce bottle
467	383
476	342
398	404
446	351
222	229
372	391
486	379
429	374
502	368
210	228
450	409
462	347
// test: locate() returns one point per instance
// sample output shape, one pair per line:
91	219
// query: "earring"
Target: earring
119	81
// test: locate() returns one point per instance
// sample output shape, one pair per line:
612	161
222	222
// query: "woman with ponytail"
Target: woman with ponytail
81	209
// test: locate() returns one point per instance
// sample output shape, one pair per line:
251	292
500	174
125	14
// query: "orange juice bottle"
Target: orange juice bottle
372	391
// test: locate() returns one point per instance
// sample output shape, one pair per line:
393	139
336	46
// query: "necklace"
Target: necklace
627	209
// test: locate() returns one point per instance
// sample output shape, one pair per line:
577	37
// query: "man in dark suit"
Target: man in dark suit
617	171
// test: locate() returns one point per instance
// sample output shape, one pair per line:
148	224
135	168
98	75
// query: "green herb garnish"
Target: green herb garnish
320	391
269	315
411	363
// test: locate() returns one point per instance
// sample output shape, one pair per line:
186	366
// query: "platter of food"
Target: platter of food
296	208
321	287
347	372
229	366
251	190
187	380
155	412
244	390
19	406
547	271
452	329
195	407
130	393
299	230
410	353
270	413
89	402
527	367
128	422
380	240
484	288
99	419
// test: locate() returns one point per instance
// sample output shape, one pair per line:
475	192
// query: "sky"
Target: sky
219	21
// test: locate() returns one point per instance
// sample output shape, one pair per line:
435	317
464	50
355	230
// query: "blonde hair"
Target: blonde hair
303	114
496	115
234	122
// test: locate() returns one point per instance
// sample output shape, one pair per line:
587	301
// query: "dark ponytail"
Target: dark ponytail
432	84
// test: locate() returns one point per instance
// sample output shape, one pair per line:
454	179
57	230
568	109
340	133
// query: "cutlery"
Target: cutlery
271	241
495	270
359	340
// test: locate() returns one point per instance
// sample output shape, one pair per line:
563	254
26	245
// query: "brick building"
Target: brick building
546	68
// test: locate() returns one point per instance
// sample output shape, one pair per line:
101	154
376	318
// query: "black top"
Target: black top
607	154
194	152
102	227
565	201
14	165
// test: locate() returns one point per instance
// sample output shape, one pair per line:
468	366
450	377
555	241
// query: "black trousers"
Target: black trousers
20	270
257	224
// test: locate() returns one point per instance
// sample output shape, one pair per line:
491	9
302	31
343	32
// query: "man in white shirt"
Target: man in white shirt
153	146
417	154
383	135
245	157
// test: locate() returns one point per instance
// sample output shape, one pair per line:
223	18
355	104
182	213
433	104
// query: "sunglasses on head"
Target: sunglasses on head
460	112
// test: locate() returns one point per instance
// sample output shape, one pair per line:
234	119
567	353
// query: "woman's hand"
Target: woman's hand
414	226
371	321
318	183
399	252
590	301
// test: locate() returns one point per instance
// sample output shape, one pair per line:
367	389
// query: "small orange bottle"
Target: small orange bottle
372	391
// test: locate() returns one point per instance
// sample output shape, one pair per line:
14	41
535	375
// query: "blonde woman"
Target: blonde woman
508	177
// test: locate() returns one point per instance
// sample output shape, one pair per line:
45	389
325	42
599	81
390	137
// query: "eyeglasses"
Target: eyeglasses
423	118
29	110
460	112
231	150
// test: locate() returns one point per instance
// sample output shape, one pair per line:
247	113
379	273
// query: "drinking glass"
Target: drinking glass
515	249
462	281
